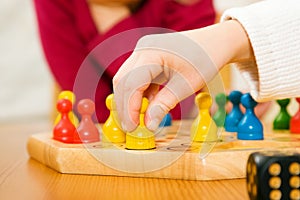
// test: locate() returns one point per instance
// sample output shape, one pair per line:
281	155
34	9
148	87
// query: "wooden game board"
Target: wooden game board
175	157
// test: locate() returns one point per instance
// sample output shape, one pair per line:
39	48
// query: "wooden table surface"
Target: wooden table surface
25	178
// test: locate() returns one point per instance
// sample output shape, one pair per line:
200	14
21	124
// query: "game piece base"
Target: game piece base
174	157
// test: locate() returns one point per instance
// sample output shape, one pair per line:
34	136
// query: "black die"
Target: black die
273	175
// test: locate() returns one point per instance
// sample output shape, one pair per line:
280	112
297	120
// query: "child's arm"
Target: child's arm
273	27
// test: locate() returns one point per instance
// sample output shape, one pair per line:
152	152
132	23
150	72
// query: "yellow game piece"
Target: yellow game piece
66	94
111	129
141	138
204	128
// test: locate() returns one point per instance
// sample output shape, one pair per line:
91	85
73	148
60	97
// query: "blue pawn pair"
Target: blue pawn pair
247	126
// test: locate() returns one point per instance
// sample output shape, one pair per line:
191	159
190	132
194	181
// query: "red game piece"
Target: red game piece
64	130
295	120
87	131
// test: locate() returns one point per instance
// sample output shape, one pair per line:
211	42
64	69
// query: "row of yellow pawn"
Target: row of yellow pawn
203	128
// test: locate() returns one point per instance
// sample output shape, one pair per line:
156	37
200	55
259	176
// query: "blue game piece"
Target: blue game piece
249	128
233	118
166	121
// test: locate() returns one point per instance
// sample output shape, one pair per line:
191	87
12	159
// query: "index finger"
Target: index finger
130	85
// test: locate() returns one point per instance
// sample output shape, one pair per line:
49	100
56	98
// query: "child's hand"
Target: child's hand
184	61
169	57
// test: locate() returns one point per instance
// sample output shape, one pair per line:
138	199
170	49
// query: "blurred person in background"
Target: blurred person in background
70	30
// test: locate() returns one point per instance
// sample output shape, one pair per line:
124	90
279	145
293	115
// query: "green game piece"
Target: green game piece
282	120
220	115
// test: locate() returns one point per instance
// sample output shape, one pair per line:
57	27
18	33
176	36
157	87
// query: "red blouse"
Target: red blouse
71	42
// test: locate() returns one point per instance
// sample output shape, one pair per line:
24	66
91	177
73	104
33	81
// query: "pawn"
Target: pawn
233	118
220	115
282	120
166	121
66	94
111	129
204	128
249	127
87	131
141	138
295	120
64	129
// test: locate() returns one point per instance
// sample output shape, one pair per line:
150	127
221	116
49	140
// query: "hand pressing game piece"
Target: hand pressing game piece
111	129
249	127
204	128
66	94
273	175
233	118
220	115
64	129
295	120
282	120
141	138
166	121
87	131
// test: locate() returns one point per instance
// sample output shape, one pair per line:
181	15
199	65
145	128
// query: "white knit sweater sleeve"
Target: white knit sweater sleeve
273	27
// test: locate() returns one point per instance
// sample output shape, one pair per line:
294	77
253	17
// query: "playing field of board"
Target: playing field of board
174	157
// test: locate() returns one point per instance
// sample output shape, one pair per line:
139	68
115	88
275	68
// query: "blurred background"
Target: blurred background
26	85
25	82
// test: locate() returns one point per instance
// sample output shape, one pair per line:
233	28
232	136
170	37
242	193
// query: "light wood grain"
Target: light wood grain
24	178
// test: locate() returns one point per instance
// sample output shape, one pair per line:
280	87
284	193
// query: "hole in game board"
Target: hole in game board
184	147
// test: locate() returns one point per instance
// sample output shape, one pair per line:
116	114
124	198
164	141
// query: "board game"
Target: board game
174	157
